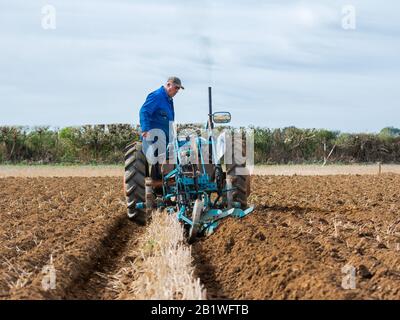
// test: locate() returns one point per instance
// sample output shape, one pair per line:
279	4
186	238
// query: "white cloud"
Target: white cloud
275	63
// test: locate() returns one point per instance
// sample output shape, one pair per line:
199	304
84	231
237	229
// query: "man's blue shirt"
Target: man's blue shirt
157	111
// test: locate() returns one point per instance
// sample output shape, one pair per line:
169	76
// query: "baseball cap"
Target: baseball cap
176	81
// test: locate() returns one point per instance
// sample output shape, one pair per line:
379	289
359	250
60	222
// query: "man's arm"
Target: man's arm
146	112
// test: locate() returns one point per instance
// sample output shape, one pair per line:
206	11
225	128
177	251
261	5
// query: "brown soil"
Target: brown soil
293	246
303	232
81	222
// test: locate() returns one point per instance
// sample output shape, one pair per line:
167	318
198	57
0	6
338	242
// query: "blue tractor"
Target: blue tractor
195	186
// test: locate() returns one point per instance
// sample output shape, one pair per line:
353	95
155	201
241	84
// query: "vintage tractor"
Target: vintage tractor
195	185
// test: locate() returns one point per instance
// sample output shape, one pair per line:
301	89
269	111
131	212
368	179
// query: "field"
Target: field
304	231
61	171
115	170
78	221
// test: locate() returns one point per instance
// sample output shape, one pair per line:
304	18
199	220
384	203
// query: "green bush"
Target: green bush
105	144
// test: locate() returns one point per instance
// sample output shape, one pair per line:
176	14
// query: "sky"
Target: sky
270	63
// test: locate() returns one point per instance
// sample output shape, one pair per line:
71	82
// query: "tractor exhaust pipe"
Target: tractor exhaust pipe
210	121
210	125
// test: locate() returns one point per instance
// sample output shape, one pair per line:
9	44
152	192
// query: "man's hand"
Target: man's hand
145	134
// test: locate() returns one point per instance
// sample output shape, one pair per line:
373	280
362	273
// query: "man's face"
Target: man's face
171	89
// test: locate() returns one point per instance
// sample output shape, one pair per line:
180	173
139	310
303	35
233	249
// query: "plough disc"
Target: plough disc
196	217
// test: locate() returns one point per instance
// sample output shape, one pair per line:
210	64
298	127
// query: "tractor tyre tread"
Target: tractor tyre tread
241	183
134	179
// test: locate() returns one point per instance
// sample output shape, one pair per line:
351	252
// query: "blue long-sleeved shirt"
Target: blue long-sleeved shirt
157	111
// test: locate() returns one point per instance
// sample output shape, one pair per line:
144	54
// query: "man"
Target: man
157	113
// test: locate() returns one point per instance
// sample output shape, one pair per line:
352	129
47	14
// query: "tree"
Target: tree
390	132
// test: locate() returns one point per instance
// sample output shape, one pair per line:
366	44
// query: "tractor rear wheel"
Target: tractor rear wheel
134	180
240	180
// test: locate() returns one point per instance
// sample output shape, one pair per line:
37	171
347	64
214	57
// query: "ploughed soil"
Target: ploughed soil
310	237
75	226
